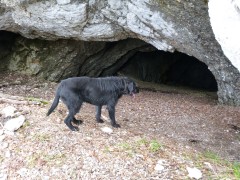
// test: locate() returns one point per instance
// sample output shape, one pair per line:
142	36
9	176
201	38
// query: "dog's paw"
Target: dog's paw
74	128
100	121
116	125
77	122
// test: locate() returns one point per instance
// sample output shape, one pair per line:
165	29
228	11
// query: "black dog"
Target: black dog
97	91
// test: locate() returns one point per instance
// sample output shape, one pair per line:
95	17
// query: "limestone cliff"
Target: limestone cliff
175	25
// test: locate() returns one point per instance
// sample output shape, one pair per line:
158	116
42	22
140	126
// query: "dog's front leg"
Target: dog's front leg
111	111
98	114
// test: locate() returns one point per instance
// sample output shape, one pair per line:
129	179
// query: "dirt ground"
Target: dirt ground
183	122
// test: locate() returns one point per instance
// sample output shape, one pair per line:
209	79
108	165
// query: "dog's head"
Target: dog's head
131	87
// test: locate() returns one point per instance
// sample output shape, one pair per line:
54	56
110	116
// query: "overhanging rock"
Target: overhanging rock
167	25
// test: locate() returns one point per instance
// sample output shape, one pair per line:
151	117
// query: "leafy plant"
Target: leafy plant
142	142
41	137
37	100
236	170
154	146
213	156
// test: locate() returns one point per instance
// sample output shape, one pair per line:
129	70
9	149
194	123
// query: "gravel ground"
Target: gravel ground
163	131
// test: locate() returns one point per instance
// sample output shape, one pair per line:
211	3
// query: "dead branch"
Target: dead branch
5	84
5	98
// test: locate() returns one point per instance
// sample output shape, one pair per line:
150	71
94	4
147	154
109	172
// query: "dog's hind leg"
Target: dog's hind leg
73	104
98	114
68	121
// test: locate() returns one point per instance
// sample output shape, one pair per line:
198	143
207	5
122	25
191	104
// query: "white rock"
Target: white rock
107	130
14	124
7	154
4	145
105	118
8	111
2	137
3	176
1	131
10	133
194	173
22	172
159	167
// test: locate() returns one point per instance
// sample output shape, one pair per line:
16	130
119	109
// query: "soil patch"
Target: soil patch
182	121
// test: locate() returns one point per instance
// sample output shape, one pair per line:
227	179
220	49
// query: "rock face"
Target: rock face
182	26
226	27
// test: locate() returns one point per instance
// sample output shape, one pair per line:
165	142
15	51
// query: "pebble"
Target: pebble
159	166
22	172
194	173
4	145
3	176
107	130
7	154
14	124
10	133
2	137
9	111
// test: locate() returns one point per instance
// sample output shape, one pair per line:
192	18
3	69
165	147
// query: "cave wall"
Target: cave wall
167	25
171	69
59	59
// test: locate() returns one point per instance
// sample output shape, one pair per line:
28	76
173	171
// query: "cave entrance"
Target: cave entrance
6	42
175	69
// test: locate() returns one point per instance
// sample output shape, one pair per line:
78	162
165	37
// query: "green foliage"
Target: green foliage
236	170
213	156
26	124
37	101
154	146
41	137
142	142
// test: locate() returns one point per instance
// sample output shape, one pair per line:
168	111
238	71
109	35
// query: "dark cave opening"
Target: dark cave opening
7	40
175	69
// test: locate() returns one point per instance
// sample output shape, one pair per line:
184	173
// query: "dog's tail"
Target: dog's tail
55	102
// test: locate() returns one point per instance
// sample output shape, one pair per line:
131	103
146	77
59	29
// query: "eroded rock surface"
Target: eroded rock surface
182	26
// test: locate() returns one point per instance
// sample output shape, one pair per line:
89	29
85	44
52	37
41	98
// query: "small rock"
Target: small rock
14	124
7	154
10	133
107	130
46	178
105	118
9	111
209	166
159	167
194	173
3	176
2	137
4	145
22	172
